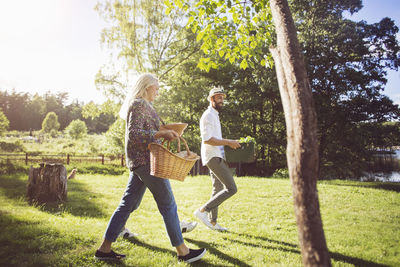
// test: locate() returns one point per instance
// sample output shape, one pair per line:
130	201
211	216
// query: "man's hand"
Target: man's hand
233	143
167	134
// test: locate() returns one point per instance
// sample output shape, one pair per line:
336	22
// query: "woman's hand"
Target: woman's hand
167	134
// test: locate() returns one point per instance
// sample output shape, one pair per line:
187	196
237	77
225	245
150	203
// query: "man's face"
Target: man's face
217	102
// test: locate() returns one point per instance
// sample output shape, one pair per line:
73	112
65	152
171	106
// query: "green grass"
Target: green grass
361	222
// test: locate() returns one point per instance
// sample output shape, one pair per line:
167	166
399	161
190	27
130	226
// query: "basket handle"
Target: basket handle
179	144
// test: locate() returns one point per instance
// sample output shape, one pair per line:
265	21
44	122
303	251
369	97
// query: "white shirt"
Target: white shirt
210	126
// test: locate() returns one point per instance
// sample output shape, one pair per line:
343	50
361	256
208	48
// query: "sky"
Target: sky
54	45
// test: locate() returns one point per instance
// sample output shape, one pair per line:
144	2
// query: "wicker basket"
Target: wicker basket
177	127
165	164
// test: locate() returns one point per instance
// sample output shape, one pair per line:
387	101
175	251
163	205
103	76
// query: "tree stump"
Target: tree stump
47	183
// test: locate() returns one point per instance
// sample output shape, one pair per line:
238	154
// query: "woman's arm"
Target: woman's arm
138	115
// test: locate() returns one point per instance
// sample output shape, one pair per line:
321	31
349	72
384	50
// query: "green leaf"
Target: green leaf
167	3
243	64
179	3
191	19
200	35
221	53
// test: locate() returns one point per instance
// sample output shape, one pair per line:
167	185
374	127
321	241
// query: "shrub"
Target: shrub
116	138
8	167
76	129
16	146
4	123
97	169
281	173
50	123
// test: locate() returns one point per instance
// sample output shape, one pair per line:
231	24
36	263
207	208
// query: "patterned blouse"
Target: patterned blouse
141	125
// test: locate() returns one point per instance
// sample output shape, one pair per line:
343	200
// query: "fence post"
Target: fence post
102	159
67	159
26	158
122	160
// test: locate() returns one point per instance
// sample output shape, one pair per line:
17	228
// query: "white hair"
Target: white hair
143	82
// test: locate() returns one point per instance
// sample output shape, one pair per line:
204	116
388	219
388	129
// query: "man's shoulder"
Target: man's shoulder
207	115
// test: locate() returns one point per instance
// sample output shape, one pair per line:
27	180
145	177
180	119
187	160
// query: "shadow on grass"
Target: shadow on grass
217	253
395	187
82	202
12	186
389	186
78	202
173	253
29	243
137	242
295	249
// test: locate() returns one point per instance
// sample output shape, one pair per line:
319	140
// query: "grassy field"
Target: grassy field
361	222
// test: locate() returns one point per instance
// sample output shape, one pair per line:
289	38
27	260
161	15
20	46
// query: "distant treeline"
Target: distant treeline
26	111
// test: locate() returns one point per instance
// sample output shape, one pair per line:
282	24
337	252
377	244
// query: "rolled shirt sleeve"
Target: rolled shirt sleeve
206	128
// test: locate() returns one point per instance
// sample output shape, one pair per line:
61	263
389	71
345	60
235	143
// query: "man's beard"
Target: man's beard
219	106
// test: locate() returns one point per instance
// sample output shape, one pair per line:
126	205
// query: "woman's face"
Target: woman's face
152	92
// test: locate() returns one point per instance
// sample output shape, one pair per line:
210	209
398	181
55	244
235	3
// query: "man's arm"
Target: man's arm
222	142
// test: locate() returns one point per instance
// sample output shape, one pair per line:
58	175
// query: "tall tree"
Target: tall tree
14	106
301	126
141	33
347	63
295	90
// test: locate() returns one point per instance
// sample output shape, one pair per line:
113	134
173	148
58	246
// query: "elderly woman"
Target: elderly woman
142	128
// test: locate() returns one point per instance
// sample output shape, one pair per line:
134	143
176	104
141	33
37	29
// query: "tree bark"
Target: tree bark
47	183
302	143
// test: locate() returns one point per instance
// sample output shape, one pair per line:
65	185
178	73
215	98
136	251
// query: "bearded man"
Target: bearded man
213	156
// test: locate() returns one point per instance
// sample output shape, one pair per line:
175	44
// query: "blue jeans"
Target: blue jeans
139	180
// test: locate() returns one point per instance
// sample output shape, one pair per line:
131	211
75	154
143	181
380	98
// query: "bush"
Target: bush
116	138
281	173
76	129
8	167
16	146
97	169
4	123
50	123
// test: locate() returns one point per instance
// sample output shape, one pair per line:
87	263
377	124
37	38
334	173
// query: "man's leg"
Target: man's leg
224	175
217	187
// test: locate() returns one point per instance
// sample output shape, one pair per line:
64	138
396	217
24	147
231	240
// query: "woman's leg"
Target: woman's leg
130	201
164	197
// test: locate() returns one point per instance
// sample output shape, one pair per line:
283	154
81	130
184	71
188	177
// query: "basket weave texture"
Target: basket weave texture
167	165
177	127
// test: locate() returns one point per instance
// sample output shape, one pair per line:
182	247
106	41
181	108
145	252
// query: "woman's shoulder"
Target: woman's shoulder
138	103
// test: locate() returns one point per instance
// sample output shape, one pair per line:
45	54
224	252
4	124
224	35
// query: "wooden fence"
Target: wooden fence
197	169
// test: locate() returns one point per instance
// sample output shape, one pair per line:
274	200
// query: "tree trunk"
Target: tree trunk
47	183
302	142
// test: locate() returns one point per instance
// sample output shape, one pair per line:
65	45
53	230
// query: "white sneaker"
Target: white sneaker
186	227
219	228
125	233
203	217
